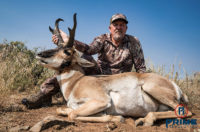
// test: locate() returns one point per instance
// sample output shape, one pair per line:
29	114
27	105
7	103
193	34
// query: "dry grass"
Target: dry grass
19	69
21	73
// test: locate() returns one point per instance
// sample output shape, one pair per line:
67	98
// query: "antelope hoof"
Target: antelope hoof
63	111
143	122
139	121
71	116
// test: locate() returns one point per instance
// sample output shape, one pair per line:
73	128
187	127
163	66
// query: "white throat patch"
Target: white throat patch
64	86
65	75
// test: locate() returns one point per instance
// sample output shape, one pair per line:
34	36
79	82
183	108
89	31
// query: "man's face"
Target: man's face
118	30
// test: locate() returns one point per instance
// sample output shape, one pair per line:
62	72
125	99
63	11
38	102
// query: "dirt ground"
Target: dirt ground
13	114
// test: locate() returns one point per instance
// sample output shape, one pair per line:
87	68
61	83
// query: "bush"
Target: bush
19	68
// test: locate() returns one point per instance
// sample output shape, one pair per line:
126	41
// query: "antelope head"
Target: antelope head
64	56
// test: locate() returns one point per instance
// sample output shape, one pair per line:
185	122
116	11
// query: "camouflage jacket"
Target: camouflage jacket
112	59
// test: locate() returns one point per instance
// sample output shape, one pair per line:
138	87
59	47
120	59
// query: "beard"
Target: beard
118	36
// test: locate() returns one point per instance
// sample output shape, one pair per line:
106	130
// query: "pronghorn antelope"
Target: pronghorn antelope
109	97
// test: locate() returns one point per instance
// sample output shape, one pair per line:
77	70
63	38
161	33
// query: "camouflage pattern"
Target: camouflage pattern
44	97
112	59
50	86
118	16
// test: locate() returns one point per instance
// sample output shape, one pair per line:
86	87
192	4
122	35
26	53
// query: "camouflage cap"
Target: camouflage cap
118	16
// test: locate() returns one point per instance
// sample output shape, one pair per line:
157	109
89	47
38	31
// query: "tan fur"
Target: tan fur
158	86
72	81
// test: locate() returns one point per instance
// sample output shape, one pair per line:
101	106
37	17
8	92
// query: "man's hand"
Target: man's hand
63	35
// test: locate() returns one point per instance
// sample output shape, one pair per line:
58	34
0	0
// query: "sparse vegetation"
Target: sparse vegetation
20	72
19	69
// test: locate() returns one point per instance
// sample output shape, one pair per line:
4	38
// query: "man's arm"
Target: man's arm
91	49
138	56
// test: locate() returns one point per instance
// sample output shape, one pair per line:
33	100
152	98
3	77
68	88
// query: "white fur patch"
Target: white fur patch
178	90
64	89
64	86
55	62
65	75
127	96
115	97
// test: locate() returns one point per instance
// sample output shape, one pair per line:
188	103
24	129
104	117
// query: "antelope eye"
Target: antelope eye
67	52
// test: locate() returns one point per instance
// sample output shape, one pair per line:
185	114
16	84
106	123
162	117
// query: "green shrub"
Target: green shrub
19	68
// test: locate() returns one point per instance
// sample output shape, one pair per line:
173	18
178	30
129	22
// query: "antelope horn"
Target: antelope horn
56	31
72	33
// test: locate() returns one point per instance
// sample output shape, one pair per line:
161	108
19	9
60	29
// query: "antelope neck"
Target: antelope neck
68	76
67	80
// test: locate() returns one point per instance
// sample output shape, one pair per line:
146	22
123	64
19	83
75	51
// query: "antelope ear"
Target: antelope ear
84	63
81	61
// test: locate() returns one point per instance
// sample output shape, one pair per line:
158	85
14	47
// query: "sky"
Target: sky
169	30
